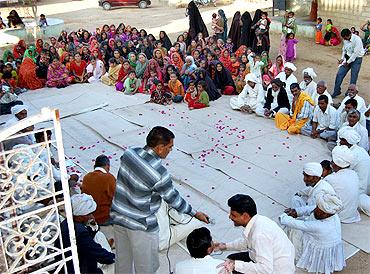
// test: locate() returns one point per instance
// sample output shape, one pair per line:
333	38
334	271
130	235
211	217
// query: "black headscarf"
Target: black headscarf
14	20
223	78
202	75
196	23
256	18
246	30
166	42
265	37
235	30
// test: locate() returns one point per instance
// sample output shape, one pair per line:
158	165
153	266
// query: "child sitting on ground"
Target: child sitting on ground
151	81
131	83
176	88
239	79
199	97
234	66
159	95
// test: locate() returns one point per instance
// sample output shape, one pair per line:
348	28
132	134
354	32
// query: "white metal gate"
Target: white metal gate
31	206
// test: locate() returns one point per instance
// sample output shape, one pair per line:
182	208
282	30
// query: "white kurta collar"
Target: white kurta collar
100	169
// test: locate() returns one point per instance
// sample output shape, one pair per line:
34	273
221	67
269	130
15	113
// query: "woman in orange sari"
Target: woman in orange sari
176	60
27	75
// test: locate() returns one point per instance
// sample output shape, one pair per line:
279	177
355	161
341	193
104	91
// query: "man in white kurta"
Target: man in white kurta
345	183
269	249
288	78
200	246
308	85
343	116
304	201
360	164
318	239
321	89
251	96
352	92
353	121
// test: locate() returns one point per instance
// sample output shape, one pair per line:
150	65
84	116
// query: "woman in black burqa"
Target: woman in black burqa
196	23
213	93
246	38
235	31
265	38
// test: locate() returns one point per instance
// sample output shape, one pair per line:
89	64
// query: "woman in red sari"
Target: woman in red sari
225	59
27	75
19	49
39	45
78	69
176	60
58	75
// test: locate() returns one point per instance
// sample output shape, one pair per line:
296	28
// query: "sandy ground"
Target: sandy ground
87	14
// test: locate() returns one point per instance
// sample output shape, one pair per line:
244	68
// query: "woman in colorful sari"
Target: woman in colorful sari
78	69
225	59
332	35
152	71
58	75
213	93
19	49
176	60
110	78
222	78
122	75
141	65
95	70
27	73
277	67
39	45
132	60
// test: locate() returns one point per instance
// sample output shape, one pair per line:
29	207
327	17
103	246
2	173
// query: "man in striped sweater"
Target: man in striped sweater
142	183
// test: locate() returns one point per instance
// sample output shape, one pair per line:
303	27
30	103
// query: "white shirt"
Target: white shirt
315	97
269	248
343	119
310	88
361	164
322	246
311	197
346	185
361	105
353	48
362	131
327	119
206	265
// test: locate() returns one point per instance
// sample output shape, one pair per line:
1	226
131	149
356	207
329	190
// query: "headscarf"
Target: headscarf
38	47
235	31
112	43
349	134
82	204
342	156
19	49
226	61
246	38
149	69
240	51
290	66
310	72
30	53
132	64
196	23
6	54
140	68
166	42
18	108
202	75
328	202
179	63
224	18
313	169
222	78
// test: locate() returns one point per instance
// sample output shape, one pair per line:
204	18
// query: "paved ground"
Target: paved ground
86	14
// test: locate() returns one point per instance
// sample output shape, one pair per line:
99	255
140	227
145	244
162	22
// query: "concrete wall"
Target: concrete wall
345	13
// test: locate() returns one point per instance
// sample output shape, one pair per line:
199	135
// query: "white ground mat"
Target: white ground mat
218	152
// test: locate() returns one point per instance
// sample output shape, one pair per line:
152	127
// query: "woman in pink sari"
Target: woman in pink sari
58	75
277	67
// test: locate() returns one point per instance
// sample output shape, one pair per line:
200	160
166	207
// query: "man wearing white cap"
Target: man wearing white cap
304	201
308	85
288	78
318	239
345	183
352	93
361	164
89	252
321	89
252	95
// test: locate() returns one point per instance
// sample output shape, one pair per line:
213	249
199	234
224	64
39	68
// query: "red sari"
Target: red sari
27	75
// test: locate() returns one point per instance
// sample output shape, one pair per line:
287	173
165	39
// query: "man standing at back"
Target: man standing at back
142	183
266	248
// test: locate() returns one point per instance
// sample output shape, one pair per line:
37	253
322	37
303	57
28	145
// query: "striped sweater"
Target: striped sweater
142	182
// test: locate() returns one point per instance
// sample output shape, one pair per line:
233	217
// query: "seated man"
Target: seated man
200	246
352	92
348	105
324	121
251	97
308	85
288	78
266	247
101	185
302	109
304	201
345	183
318	239
89	252
360	164
321	89
353	121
